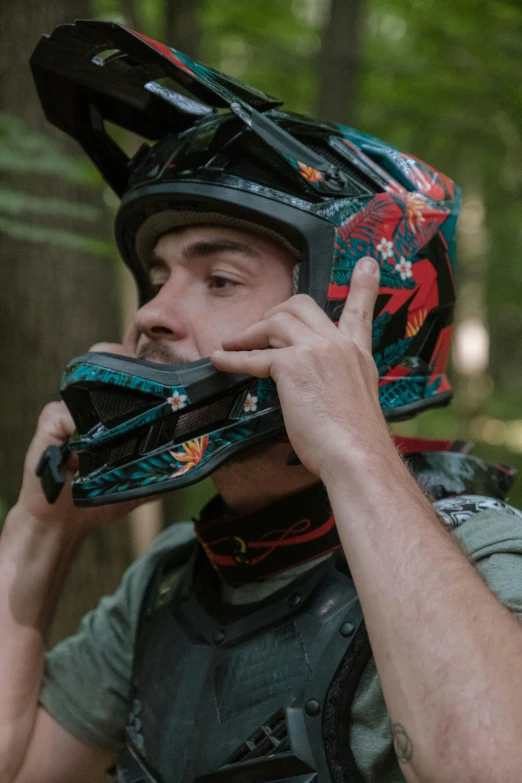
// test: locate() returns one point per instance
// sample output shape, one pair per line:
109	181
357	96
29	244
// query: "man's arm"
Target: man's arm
55	756
447	652
37	545
34	558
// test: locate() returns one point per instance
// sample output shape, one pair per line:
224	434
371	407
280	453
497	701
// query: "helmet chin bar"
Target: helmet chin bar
110	395
144	428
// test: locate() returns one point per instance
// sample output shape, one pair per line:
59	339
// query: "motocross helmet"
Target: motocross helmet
229	154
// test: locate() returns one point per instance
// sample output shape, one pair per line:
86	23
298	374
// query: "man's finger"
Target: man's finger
306	310
279	331
357	316
258	363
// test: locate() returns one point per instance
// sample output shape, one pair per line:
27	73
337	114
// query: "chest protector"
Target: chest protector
262	693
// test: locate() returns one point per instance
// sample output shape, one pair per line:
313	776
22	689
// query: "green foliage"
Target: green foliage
26	151
15	202
273	45
444	80
25	154
55	236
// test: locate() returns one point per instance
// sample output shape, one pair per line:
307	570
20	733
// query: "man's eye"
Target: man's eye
216	281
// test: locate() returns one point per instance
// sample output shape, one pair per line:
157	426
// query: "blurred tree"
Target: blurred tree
444	81
129	10
339	62
181	26
273	45
54	301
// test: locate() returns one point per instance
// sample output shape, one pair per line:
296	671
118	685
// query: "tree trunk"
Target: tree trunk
182	29
130	14
339	62
54	303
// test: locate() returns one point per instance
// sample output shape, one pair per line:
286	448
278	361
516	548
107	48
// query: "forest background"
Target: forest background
442	80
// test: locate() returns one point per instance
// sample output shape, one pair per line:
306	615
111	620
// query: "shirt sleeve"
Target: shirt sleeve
87	677
493	542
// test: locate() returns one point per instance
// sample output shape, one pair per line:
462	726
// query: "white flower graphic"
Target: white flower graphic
250	405
385	248
177	401
403	268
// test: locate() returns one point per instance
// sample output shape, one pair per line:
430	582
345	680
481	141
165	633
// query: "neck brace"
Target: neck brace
301	527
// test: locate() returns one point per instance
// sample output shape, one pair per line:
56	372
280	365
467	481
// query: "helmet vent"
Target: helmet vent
247	167
111	405
195	422
122	451
93	460
202	417
361	185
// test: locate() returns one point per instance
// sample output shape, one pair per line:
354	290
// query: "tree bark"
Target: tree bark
130	14
54	303
339	62
182	29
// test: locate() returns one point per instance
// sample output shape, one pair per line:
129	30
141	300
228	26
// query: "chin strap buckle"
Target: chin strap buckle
50	470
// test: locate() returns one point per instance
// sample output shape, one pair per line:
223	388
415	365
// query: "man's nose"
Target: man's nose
163	316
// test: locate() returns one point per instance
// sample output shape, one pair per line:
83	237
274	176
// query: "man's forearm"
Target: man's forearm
446	650
34	559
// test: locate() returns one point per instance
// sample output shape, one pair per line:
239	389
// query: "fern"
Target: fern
55	236
26	151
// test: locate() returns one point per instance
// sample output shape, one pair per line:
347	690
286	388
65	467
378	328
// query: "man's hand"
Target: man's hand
326	376
54	426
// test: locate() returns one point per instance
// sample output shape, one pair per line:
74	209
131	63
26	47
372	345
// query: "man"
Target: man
258	669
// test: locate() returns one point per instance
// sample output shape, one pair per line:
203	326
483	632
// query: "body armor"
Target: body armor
262	693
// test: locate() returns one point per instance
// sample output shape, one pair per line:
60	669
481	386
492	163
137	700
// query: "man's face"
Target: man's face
211	282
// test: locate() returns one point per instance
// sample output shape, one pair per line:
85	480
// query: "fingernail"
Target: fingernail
370	265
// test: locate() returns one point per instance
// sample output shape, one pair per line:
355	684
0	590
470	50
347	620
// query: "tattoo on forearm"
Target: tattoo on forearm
402	744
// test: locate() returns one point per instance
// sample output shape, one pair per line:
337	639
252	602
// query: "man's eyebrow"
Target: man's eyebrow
203	248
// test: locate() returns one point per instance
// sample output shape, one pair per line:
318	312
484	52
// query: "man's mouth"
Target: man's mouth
162	353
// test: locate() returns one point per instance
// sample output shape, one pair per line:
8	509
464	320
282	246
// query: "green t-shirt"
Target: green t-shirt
86	686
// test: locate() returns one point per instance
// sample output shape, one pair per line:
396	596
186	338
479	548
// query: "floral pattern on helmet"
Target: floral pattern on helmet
309	173
191	455
250	404
177	401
